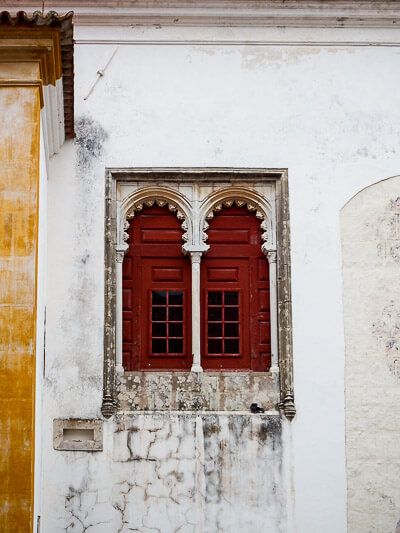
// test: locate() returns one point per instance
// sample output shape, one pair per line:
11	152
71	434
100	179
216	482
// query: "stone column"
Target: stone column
119	256
271	256
195	258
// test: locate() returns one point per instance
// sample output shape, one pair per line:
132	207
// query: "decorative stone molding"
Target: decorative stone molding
284	294
263	13
194	211
287	406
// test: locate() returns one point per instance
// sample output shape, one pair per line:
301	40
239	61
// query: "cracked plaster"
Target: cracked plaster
179	473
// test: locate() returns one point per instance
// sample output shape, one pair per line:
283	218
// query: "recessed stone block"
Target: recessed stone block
76	434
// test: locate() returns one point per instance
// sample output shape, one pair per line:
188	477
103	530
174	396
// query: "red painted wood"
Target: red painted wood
154	264
235	265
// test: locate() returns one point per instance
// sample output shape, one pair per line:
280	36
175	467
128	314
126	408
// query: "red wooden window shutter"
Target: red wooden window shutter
156	294
235	295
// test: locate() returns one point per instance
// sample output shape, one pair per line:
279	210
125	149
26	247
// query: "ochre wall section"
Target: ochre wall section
19	178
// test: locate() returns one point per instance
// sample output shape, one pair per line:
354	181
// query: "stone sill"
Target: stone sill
122	414
188	391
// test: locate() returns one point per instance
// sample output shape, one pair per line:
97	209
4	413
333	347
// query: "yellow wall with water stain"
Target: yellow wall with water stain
19	179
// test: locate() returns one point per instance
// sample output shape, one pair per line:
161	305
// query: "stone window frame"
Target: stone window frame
276	246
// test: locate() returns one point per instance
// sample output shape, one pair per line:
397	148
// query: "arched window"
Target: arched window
156	294
197	278
235	294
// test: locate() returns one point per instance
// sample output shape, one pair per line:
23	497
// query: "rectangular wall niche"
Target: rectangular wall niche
194	194
76	434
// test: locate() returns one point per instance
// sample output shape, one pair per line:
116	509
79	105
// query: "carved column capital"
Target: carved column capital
269	253
120	251
119	256
195	257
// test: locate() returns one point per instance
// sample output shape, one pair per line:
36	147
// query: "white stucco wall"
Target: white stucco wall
328	113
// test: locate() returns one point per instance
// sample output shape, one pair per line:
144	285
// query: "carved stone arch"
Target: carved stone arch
240	197
161	197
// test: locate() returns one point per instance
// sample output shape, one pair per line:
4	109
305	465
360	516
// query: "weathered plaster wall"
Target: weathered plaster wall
19	156
176	472
329	114
370	225
188	391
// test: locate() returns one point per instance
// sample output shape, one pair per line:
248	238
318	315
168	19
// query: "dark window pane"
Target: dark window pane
175	346
214	329
214	314
231	330
231	345
175	329
214	298
159	346
159	313
175	298
231	298
214	346
231	313
159	329
175	313
159	297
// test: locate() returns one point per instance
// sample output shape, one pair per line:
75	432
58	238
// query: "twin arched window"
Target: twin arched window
157	304
219	304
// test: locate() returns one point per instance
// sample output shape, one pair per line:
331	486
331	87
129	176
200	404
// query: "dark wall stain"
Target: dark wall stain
89	139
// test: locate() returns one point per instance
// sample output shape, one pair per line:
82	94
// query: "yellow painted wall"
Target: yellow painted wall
19	178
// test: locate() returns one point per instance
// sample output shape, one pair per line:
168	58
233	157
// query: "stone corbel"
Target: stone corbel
287	405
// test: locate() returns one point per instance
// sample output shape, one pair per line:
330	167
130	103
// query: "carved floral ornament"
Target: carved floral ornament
173	206
138	206
240	202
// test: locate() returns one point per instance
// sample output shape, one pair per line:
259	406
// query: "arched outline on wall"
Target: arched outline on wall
155	195
240	196
379	180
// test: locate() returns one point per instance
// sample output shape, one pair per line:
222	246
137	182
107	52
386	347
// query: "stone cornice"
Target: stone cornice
45	38
240	13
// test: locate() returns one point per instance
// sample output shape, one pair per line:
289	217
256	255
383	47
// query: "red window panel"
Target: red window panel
223	323
156	294
167	322
235	295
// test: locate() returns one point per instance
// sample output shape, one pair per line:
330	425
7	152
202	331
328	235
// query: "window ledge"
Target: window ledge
189	391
